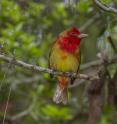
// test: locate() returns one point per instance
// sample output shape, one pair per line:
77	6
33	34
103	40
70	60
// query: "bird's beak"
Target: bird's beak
82	36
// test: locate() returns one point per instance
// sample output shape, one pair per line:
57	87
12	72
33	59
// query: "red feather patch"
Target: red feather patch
69	43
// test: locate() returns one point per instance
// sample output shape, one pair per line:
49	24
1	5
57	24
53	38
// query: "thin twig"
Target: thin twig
26	111
4	76
105	7
5	112
89	22
23	113
112	44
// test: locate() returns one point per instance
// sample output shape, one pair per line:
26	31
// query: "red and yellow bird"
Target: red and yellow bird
65	57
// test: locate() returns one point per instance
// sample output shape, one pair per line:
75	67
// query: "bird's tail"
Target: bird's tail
61	94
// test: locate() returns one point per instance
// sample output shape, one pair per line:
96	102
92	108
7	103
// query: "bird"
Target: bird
65	57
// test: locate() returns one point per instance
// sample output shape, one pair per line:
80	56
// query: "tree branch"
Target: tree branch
42	69
98	63
50	71
89	22
104	7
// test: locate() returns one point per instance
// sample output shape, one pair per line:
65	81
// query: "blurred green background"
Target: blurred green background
27	29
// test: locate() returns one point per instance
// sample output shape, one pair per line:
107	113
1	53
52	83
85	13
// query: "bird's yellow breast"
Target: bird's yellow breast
63	61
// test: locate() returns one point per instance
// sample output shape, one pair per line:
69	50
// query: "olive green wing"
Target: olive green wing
79	62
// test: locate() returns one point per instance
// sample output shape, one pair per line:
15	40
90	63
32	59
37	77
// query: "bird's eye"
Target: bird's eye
73	34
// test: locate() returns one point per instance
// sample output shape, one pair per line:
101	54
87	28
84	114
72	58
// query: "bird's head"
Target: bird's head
70	39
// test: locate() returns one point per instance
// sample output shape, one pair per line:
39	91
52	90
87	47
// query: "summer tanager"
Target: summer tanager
65	57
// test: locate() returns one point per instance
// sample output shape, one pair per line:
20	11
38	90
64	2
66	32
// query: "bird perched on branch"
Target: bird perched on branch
65	57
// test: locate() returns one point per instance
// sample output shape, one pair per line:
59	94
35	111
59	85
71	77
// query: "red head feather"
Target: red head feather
69	41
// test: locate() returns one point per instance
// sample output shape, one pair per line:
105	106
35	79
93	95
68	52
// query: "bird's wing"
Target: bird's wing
79	62
49	62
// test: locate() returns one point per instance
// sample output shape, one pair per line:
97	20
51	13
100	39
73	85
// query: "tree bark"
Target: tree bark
112	87
95	93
